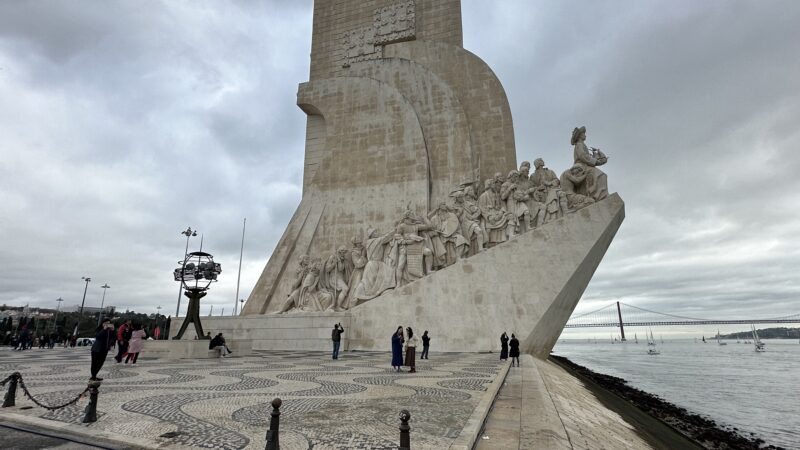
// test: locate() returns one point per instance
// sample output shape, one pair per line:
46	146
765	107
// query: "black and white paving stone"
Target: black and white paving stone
350	403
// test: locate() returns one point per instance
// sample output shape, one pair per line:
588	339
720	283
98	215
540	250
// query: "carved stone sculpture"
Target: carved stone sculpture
494	218
358	254
535	195
596	183
306	294
448	242
555	204
415	249
570	179
337	271
516	200
293	300
469	216
379	272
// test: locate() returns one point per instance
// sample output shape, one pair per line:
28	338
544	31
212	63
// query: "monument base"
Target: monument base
301	331
194	349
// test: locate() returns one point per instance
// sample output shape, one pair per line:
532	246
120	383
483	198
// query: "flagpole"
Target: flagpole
239	277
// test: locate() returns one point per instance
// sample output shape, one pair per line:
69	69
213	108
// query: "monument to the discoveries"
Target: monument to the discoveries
413	212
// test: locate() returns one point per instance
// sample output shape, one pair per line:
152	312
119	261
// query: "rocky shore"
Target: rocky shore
704	432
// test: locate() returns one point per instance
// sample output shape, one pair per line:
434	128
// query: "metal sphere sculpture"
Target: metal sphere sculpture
197	271
196	274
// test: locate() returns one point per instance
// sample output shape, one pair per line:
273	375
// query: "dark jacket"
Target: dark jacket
426	340
336	334
514	348
103	341
216	342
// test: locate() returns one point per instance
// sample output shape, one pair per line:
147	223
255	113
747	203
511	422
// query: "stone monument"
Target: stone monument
413	210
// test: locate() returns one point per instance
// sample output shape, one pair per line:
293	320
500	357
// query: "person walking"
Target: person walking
336	337
123	337
218	343
397	349
103	341
136	343
514	350
426	343
503	346
411	350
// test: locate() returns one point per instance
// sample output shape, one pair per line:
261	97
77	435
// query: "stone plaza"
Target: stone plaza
353	402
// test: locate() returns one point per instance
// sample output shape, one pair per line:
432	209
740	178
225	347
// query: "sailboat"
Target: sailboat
661	337
651	341
719	341
756	341
704	339
635	339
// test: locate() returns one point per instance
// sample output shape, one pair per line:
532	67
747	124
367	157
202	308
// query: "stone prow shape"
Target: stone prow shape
528	286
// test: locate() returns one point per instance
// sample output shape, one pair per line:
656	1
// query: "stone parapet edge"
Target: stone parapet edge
469	434
78	432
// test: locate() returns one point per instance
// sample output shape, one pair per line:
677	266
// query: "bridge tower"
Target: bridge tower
621	327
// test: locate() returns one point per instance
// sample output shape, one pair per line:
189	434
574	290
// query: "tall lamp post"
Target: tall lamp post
87	280
103	302
188	232
58	308
80	314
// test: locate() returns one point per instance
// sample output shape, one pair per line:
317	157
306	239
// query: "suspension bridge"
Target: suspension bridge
619	314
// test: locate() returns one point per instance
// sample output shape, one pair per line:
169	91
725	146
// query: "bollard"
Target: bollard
90	415
405	430
11	394
274	424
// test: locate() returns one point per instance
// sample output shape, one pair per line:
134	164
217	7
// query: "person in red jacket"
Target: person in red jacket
123	336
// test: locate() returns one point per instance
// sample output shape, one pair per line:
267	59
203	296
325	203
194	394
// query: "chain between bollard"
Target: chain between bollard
405	430
274	425
16	378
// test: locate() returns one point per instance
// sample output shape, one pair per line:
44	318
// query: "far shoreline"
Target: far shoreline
661	423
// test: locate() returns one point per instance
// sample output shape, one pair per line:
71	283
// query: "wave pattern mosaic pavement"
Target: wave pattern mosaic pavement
350	403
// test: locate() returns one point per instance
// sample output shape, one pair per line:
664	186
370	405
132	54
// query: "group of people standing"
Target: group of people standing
128	338
513	343
410	342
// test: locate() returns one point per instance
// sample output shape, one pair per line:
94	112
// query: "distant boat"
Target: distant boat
635	339
704	339
756	341
719	341
661	337
651	342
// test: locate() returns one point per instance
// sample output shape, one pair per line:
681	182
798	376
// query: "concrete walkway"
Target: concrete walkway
523	415
543	406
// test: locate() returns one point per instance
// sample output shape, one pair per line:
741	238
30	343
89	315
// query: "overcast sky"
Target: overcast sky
122	123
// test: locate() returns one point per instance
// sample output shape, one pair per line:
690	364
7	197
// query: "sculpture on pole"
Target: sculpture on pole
196	274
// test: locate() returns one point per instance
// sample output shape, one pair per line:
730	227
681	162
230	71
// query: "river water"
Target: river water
731	384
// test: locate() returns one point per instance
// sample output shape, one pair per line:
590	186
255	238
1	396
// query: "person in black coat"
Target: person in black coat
514	350
103	341
504	346
426	344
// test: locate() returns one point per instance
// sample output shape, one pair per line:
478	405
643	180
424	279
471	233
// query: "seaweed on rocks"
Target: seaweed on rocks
704	431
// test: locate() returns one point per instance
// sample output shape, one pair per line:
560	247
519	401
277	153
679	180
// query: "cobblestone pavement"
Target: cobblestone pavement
350	403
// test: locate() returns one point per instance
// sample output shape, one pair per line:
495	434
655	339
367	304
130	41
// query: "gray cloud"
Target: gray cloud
121	125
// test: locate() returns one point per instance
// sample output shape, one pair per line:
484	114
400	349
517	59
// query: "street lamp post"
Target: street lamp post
188	232
241	301
58	307
87	280
103	302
